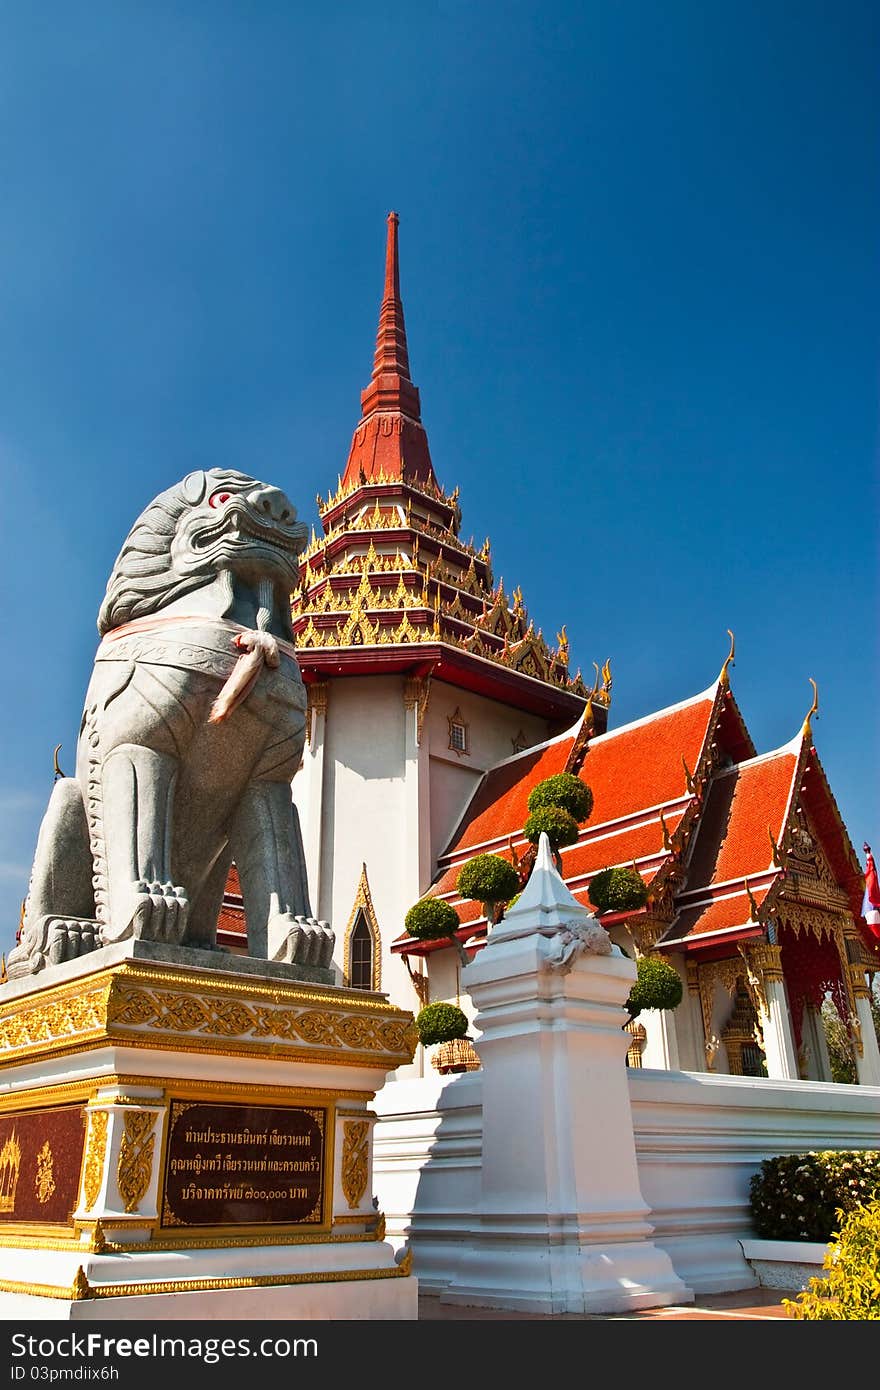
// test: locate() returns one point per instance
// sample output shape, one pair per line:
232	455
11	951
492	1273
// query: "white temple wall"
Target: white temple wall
364	814
699	1138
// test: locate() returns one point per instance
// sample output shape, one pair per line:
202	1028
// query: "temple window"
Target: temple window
361	955
459	740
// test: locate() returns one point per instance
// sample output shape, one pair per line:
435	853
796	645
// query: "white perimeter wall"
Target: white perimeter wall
699	1139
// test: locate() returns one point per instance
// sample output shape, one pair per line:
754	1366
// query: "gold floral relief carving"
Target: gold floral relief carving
93	1165
355	1152
44	1181
134	1166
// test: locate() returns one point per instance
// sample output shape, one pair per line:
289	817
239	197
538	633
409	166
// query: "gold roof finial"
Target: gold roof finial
724	678
689	782
606	677
814	708
56	769
753	906
667	838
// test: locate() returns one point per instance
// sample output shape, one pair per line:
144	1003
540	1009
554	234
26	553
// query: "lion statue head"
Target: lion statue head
212	521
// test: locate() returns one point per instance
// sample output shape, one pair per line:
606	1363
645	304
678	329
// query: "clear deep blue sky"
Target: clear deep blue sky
639	249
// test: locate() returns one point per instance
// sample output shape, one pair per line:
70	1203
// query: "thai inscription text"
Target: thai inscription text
242	1165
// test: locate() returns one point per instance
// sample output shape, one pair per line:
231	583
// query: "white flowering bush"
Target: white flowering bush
802	1196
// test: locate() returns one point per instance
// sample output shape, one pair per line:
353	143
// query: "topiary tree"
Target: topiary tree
489	880
555	822
439	1023
430	919
565	790
657	986
850	1290
434	919
618	890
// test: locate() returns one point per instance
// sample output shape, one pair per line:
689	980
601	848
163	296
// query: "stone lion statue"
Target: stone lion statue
193	728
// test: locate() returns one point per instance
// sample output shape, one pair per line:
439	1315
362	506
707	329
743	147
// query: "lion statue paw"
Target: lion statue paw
300	940
154	912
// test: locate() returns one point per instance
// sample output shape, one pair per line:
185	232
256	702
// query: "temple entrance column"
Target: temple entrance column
868	1053
765	972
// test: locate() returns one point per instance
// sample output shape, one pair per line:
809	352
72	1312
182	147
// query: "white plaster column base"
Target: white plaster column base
868	1062
778	1040
553	1272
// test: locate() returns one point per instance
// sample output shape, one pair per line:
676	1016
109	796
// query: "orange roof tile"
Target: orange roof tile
719	915
732	841
640	765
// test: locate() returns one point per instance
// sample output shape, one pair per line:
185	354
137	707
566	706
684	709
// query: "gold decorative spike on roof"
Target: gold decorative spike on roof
814	709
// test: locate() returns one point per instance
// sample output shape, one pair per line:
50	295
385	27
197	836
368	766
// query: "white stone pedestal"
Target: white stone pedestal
562	1225
191	1141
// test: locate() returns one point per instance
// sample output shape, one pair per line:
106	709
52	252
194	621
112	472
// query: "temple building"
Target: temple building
434	706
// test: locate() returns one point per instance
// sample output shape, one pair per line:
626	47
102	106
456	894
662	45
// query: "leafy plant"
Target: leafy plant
434	919
850	1289
490	880
799	1196
440	1022
618	890
658	986
565	790
557	824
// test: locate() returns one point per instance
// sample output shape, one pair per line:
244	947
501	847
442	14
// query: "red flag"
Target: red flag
871	900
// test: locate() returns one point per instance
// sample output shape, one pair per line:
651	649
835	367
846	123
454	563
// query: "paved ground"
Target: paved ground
754	1305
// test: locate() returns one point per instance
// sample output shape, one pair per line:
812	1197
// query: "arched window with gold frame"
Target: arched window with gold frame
362	950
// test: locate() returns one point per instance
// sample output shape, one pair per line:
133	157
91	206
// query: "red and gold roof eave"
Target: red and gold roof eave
478	674
384	489
339	542
762	890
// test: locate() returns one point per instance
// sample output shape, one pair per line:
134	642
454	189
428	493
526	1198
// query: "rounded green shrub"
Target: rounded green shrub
618	890
431	919
800	1196
850	1289
658	986
557	824
488	878
438	1023
564	790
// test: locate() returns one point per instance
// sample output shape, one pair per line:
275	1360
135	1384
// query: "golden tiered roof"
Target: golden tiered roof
389	571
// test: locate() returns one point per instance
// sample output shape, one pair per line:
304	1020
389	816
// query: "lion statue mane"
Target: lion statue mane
192	731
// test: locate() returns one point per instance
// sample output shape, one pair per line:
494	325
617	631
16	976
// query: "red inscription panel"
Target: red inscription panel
40	1160
244	1165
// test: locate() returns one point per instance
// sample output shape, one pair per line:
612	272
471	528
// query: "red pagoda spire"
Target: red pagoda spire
390	440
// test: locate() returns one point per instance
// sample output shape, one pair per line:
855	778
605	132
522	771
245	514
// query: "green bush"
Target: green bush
657	986
850	1290
557	824
488	879
799	1196
438	1023
431	919
564	790
618	890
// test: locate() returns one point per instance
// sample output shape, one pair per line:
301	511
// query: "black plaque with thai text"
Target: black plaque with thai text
40	1160
244	1165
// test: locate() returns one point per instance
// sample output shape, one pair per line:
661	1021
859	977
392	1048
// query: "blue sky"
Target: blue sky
639	247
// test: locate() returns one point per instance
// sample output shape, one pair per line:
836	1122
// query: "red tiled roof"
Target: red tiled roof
628	770
742	805
719	915
641	765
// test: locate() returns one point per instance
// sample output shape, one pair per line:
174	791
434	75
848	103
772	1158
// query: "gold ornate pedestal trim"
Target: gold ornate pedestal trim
141	1005
81	1288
